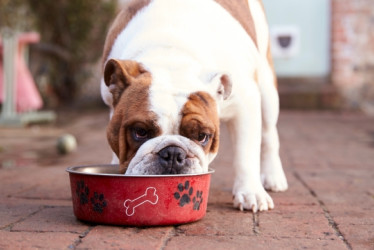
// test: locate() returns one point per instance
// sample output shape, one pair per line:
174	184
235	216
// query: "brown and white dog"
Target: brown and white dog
173	69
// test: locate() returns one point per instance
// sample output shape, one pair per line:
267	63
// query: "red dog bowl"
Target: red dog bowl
101	195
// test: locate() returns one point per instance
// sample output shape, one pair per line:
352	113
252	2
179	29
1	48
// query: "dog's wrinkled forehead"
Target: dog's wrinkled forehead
184	108
167	101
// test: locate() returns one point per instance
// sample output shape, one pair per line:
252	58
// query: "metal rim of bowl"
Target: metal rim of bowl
75	170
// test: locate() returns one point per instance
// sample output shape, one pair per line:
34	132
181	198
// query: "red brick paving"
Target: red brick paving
328	159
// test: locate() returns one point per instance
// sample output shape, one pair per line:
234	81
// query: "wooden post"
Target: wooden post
8	113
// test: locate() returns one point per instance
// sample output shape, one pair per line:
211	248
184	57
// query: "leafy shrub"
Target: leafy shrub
74	33
72	37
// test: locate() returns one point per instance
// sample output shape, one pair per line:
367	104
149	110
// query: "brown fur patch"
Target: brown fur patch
269	56
131	112
239	9
121	21
199	115
270	61
119	74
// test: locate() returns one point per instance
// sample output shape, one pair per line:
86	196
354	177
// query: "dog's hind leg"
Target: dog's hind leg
272	174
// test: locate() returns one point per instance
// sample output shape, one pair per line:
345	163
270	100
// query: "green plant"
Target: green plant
73	34
15	14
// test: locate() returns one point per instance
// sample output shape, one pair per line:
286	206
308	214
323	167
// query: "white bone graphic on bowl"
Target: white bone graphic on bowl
149	196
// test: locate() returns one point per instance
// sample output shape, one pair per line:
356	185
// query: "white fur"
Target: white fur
181	42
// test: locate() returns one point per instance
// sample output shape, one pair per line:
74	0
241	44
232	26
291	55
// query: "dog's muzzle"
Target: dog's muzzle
169	154
173	160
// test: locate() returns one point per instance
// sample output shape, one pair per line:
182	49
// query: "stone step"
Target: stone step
305	95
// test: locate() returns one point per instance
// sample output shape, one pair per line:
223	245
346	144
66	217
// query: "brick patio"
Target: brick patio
328	159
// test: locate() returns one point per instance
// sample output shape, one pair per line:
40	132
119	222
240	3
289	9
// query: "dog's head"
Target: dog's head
157	128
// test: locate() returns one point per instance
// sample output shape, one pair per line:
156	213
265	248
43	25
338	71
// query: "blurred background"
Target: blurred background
324	53
65	63
323	50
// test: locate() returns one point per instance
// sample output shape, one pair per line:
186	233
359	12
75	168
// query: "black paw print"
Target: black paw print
186	197
197	200
82	192
98	202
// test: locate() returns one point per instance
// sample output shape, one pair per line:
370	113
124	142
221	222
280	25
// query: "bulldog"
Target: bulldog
172	69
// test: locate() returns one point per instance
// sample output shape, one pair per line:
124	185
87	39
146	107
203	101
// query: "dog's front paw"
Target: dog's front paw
275	182
252	198
272	176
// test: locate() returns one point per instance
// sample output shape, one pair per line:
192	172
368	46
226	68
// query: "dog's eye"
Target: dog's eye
203	138
140	134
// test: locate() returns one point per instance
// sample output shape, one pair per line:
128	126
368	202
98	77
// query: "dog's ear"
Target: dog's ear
222	85
119	74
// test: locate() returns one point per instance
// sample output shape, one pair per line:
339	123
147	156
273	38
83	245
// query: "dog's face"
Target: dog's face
156	129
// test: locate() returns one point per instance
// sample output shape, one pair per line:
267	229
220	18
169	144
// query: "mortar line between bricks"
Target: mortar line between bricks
37	198
326	212
78	241
256	223
22	191
168	238
10	226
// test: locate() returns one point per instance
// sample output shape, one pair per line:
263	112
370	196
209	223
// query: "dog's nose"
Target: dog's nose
172	159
